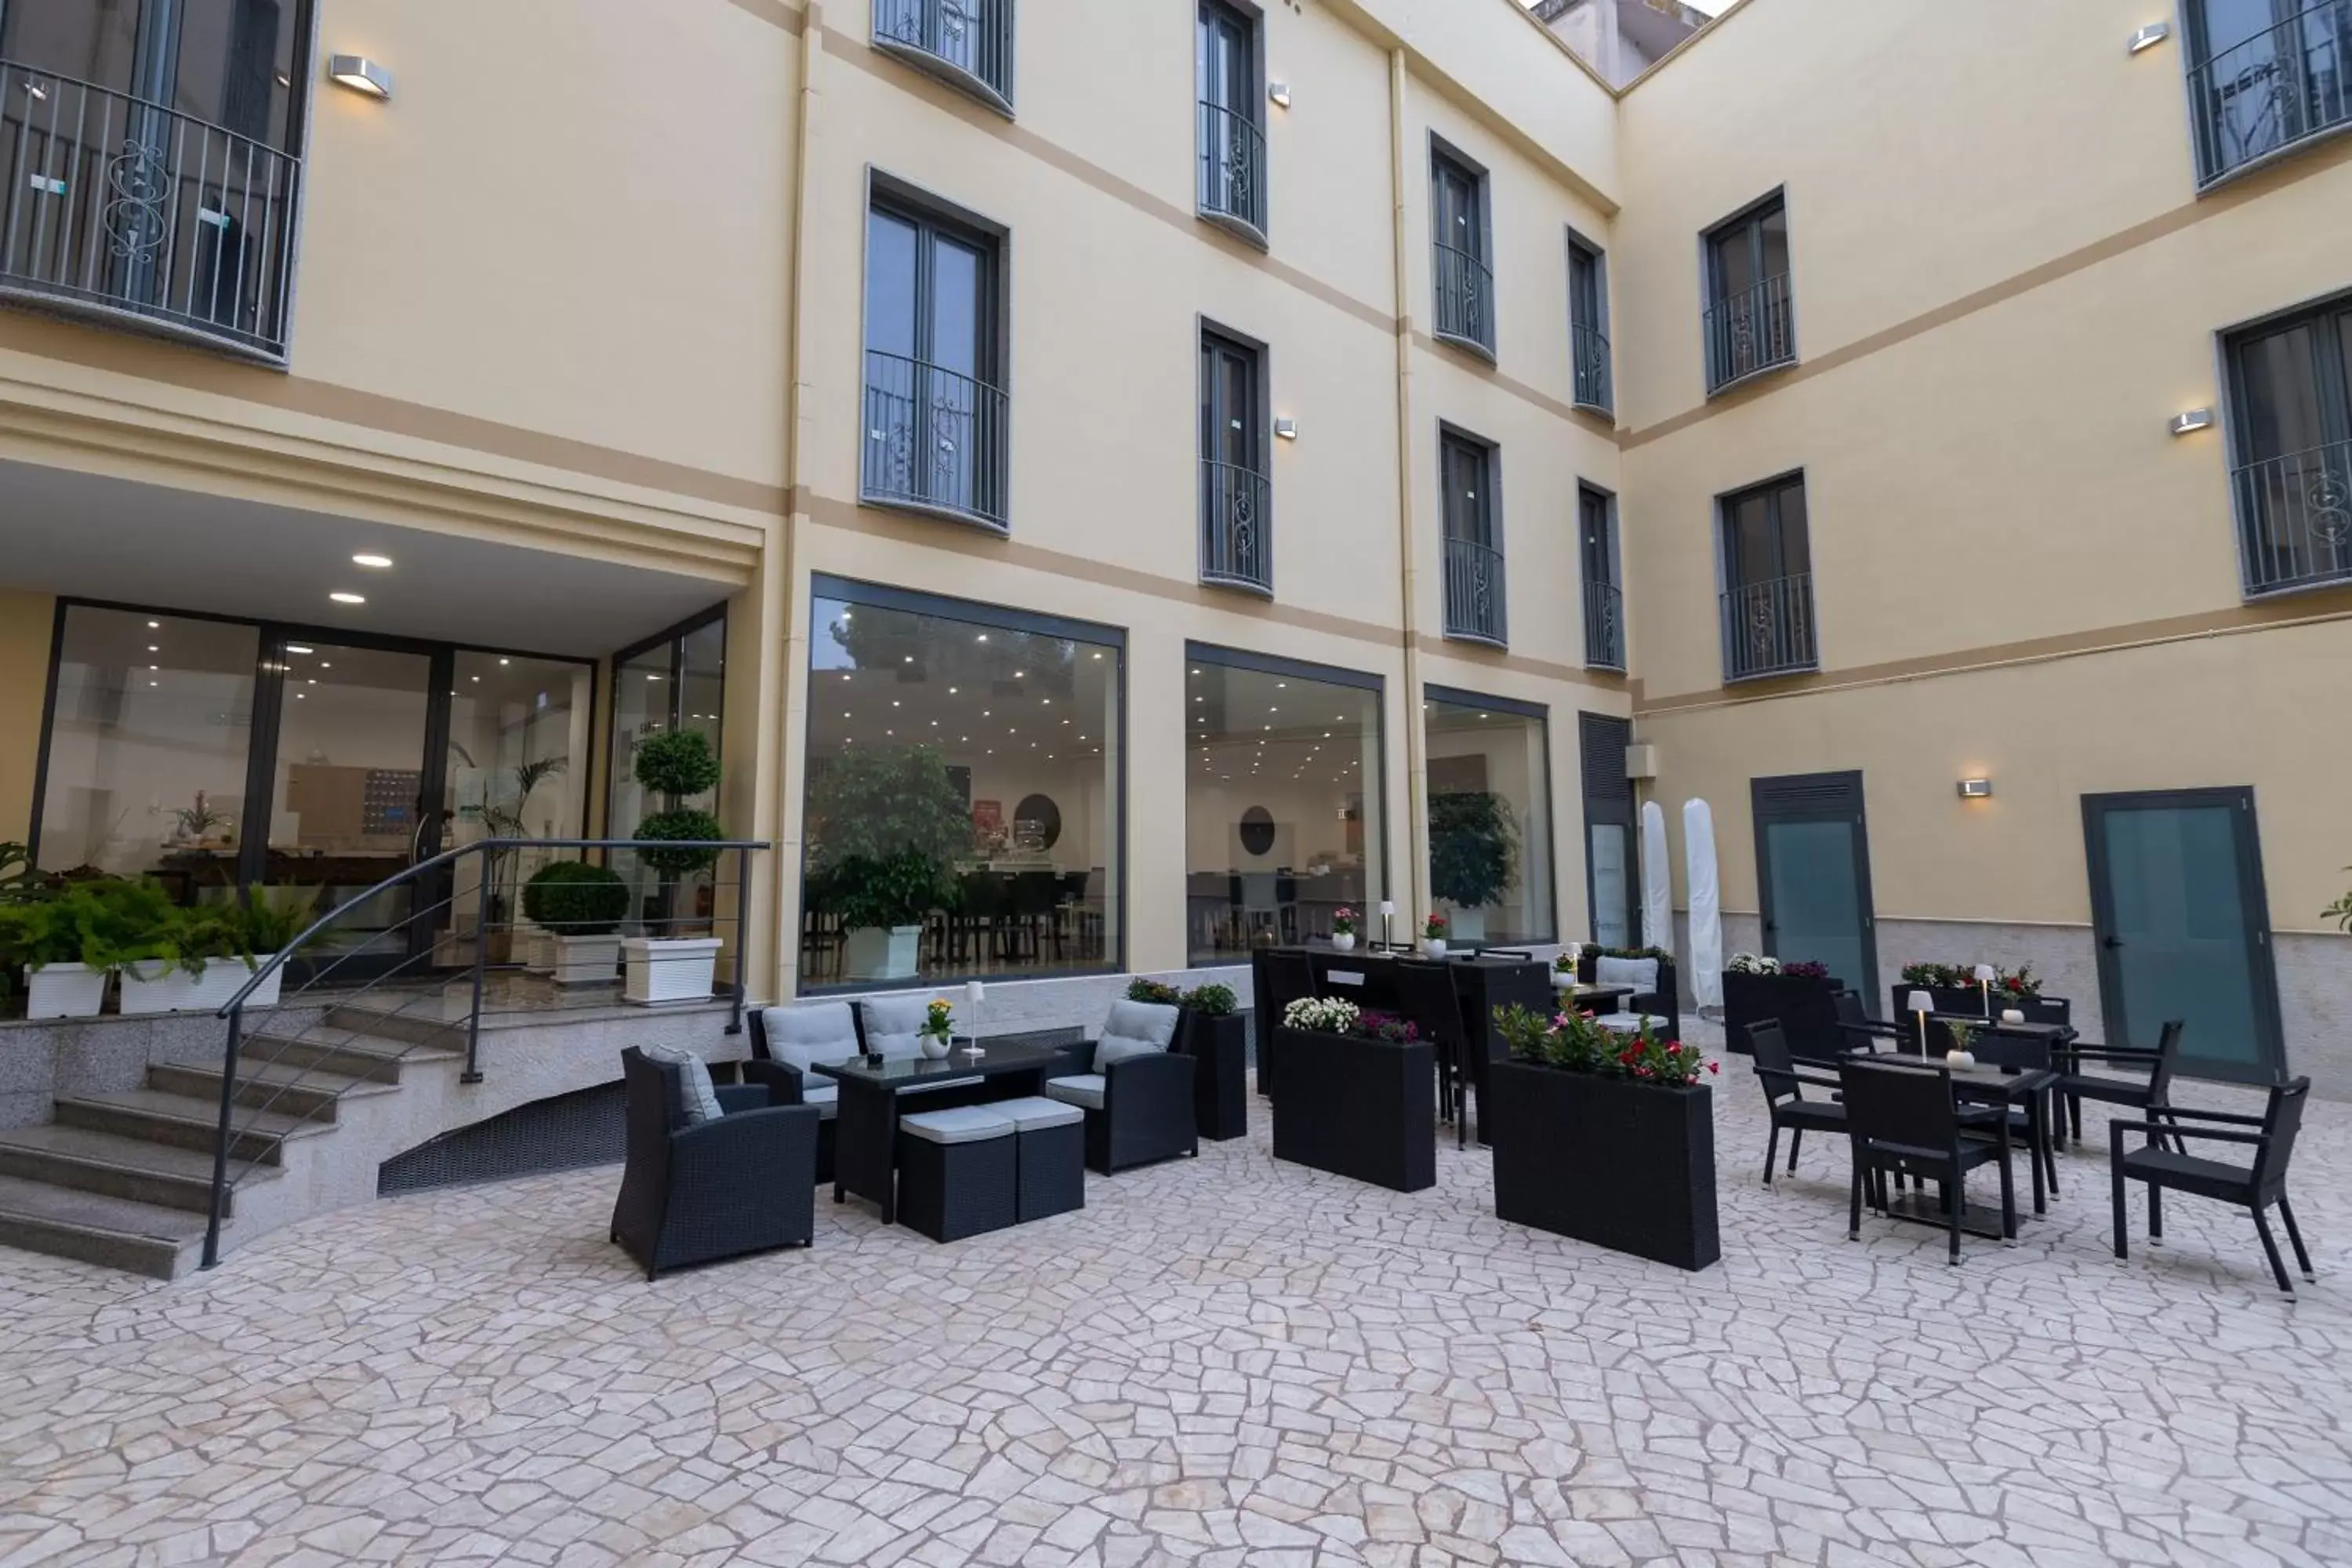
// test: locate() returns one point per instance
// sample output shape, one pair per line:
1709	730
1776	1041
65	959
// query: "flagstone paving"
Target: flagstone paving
1221	1360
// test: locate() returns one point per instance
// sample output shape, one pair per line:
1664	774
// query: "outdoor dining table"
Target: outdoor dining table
865	1131
1995	1086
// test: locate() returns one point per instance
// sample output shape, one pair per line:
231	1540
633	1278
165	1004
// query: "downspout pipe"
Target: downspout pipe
1416	765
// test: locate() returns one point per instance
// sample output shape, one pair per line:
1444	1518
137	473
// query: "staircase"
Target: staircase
124	1179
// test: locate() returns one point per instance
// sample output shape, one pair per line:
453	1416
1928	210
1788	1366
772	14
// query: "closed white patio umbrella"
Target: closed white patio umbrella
1705	903
1657	881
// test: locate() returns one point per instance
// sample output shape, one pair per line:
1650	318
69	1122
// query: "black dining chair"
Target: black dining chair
2142	1094
2047	1010
2025	1053
1784	1085
1861	1031
2252	1187
1902	1119
1425	993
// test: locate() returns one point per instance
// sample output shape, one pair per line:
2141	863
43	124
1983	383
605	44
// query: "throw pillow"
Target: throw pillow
697	1092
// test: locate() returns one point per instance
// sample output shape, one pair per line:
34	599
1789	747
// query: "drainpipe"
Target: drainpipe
1416	875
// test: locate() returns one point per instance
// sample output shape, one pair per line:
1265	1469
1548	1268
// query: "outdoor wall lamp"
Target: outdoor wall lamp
360	74
1976	789
1280	92
1286	429
2147	37
2192	421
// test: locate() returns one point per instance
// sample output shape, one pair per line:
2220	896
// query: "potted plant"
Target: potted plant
70	942
1215	1035
1603	1137
1343	929
1801	995
581	907
676	766
1955	988
2340	912
1432	935
886	828
1473	855
511	819
1565	966
1154	993
210	953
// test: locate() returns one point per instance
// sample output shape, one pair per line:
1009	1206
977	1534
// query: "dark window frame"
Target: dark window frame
1783	596
2198	57
973	83
1715	298
1592	375
1612	578
1480	342
1614	807
2258	478
1213	336
1457	696
1452	439
1253	224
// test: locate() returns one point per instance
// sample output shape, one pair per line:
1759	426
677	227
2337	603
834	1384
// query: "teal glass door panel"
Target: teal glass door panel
1816	896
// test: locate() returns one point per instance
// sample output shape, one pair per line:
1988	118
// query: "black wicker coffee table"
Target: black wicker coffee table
865	1132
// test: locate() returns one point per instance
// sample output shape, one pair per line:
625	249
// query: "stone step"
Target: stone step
116	1233
114	1167
345	1051
402	1017
186	1121
309	1094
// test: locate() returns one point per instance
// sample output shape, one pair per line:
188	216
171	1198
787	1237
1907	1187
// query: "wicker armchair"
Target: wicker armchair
1138	1098
694	1193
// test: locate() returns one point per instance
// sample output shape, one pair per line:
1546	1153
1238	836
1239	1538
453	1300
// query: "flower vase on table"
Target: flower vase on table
1432	936
1343	930
938	1031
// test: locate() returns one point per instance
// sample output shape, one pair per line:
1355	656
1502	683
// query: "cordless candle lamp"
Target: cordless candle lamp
1985	974
974	994
1921	1004
1388	910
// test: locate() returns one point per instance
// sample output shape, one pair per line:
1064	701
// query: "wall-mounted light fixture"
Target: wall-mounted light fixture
1280	92
1286	429
1976	789
2191	420
2147	37
360	74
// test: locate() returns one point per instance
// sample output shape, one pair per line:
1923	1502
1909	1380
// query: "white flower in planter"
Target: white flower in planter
1319	1016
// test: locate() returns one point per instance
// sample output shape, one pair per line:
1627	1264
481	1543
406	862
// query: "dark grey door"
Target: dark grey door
2183	928
1812	874
1612	879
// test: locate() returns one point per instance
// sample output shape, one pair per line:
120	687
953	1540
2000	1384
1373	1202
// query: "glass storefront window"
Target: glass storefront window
1282	802
518	768
1490	866
962	792
676	681
149	744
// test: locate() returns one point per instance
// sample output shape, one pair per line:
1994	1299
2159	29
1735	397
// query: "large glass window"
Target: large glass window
1489	816
936	416
961	813
518	768
674	681
149	743
2266	74
1282	801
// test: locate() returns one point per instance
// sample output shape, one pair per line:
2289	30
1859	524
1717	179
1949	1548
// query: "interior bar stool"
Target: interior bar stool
957	1170
1049	1157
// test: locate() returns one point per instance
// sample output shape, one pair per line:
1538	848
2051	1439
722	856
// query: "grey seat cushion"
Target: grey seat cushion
1084	1089
1134	1029
699	1094
1640	974
963	1124
1033	1113
816	1032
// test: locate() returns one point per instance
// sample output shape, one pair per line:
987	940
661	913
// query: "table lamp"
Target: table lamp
1921	1004
1388	909
1985	974
974	994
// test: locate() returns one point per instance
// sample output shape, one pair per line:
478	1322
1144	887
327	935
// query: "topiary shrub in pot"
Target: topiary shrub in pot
1473	857
886	829
676	766
580	907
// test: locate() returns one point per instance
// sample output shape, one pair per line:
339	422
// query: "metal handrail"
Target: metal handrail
1232	165
1767	628
125	208
1465	285
1751	332
1474	592
969	41
2284	84
935	439
1604	625
1236	546
1591	348
2295	516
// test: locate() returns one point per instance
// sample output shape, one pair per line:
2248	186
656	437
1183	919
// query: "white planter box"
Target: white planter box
584	960
65	991
679	970
1467	925
154	988
875	953
539	955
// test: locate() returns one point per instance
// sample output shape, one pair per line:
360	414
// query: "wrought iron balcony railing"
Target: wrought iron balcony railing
1750	332
1604	627
1474	593
1591	346
1767	628
935	440
1236	548
1465	300
1232	171
2284	85
2295	519
127	211
968	43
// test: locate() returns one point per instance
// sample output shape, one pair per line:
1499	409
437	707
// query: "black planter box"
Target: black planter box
1219	1048
1625	1165
1806	1007
1362	1108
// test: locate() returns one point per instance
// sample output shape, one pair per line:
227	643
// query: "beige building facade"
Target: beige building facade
1231	465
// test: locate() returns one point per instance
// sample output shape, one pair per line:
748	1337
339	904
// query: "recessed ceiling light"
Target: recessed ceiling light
982	637
326	664
342	598
372	563
296	648
152	649
298	696
154	625
505	661
154	667
909	659
477	680
159	683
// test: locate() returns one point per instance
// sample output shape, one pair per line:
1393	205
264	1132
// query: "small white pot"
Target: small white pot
156	988
1563	979
1432	947
584	960
873	952
679	969
65	991
1343	942
934	1048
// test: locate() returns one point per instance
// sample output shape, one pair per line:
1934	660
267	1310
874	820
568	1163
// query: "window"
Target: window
1751	323
1235	495
937	420
1588	324
1469	470
673	680
1233	143
1282	800
1768	573
2264	75
1465	279
1605	599
963	808
1489	816
1611	884
968	43
2292	380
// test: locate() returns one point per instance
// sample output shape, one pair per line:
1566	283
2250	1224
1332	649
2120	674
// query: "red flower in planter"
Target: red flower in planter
1715	1067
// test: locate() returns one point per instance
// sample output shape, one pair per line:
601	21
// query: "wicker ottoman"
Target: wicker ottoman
956	1172
1051	1156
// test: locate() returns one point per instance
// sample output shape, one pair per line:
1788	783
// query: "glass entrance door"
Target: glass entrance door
2177	907
1812	875
347	794
517	767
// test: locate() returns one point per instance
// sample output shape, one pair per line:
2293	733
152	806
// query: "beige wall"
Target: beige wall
28	622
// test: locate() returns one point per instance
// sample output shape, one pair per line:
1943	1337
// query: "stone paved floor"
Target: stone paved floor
1218	1362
